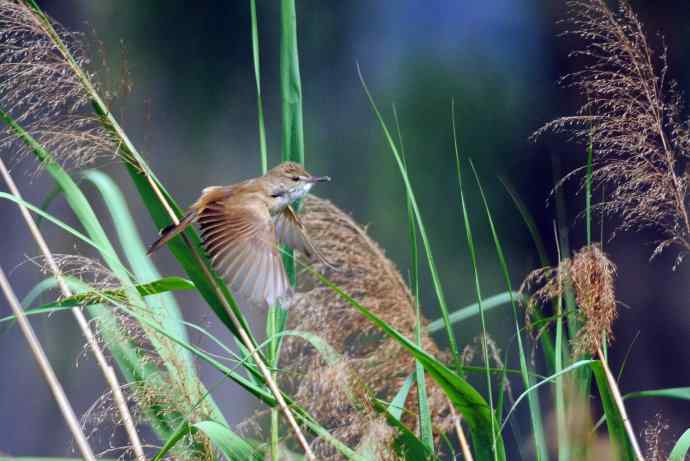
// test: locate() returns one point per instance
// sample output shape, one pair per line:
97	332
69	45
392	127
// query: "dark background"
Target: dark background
193	113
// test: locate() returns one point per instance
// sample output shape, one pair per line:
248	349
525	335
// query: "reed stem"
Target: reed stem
108	371
47	370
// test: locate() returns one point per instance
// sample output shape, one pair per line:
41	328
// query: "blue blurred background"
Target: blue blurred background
193	113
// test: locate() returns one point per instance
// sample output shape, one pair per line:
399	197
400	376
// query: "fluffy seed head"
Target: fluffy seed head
591	276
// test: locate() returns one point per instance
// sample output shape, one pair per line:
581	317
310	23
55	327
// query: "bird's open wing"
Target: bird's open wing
290	231
241	242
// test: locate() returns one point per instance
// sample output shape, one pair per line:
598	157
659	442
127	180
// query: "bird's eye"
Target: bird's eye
295	178
278	193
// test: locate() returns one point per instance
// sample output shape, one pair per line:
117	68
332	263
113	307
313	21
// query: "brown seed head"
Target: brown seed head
590	274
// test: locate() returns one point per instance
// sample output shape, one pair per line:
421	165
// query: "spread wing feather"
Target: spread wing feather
241	242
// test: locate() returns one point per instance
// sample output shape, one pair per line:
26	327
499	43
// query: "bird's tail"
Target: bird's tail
171	231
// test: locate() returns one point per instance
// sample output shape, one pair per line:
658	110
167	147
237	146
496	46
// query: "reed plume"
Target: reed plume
41	91
631	117
590	273
371	364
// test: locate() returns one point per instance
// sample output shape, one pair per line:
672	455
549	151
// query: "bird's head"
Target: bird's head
291	181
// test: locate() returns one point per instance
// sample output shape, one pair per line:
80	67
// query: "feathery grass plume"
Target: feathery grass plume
43	93
161	393
632	117
590	273
371	363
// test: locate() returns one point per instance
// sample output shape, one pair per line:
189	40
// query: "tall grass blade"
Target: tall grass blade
425	427
406	443
528	219
290	84
263	150
420	225
475	271
424	417
540	446
559	392
293	150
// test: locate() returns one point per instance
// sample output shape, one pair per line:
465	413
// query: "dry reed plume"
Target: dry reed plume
632	118
590	273
39	88
371	365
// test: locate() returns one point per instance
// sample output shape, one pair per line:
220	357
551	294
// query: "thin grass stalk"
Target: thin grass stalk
273	357
618	399
588	194
563	240
263	151
102	109
561	423
47	370
107	370
263	154
475	270
561	420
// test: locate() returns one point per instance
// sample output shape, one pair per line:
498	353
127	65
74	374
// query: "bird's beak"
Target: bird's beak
315	179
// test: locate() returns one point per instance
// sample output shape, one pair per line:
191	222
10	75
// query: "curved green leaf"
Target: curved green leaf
93	297
680	393
471	310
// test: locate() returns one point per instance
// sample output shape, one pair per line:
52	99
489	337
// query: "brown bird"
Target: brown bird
242	226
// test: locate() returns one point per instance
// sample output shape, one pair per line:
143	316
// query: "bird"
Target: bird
242	226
